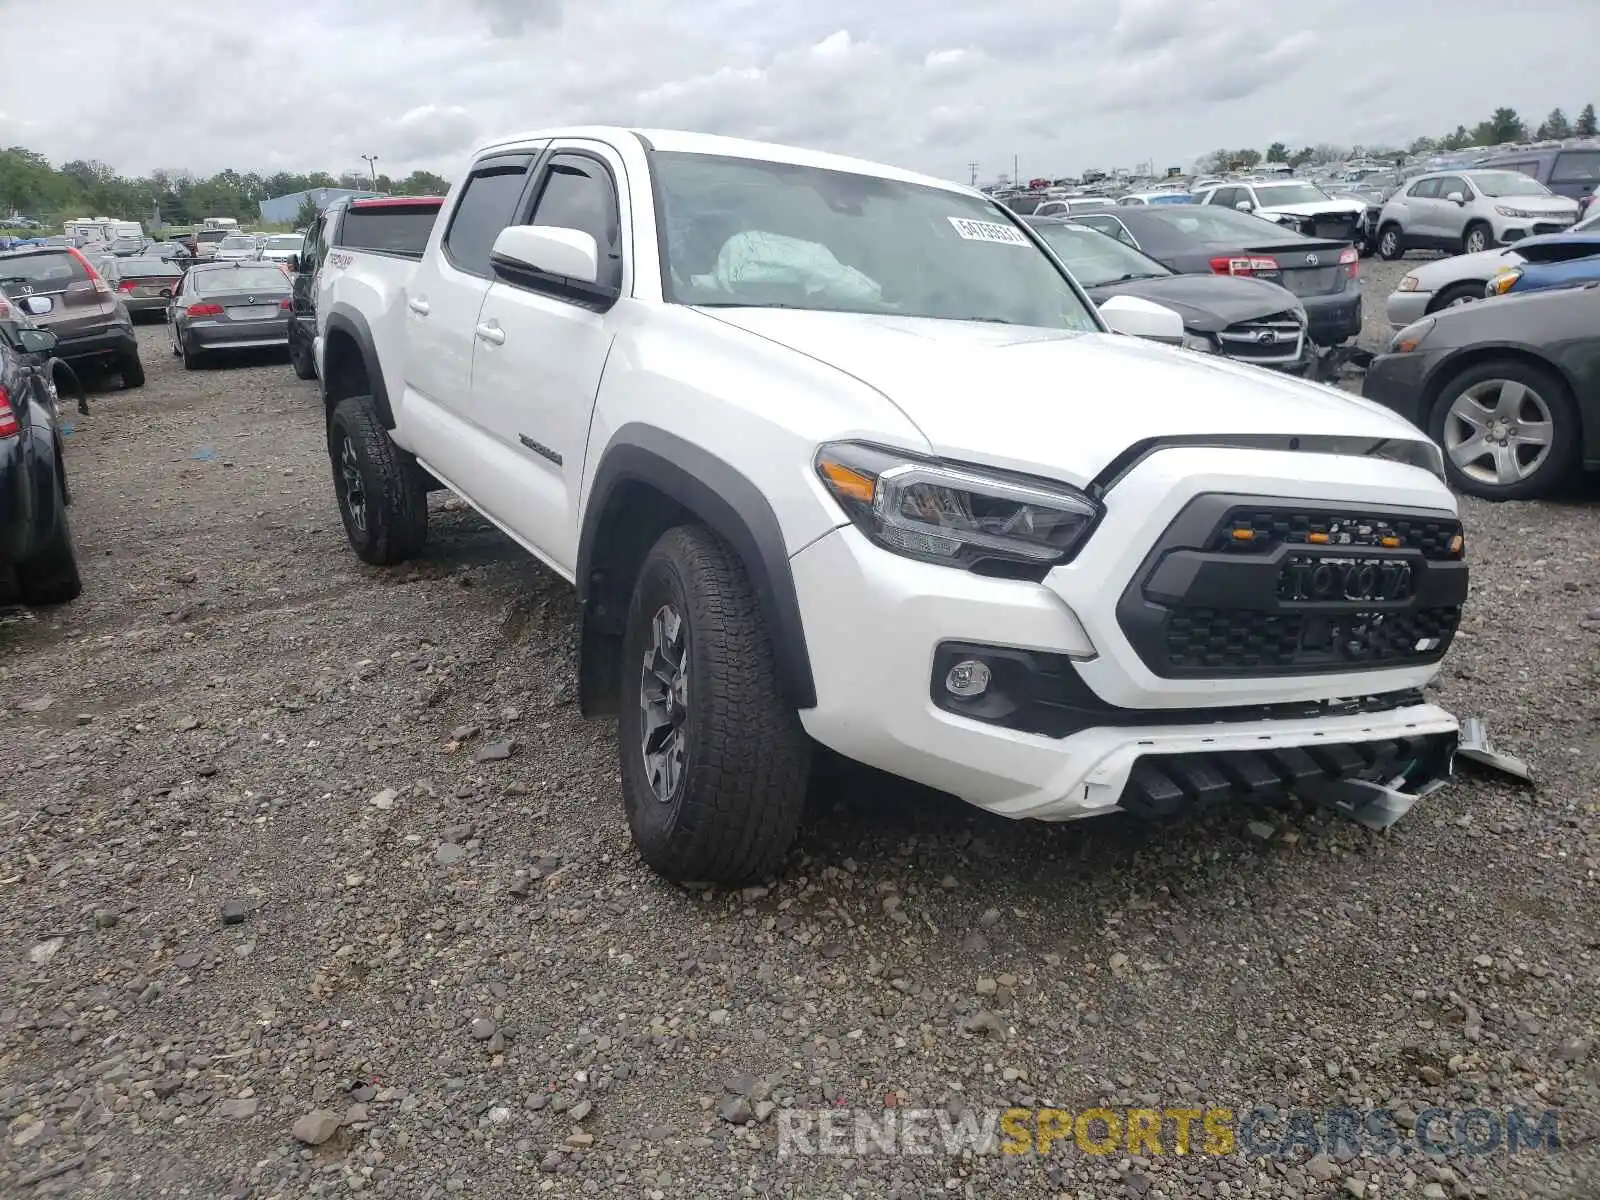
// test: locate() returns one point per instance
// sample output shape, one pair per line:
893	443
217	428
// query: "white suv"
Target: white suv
1470	211
838	454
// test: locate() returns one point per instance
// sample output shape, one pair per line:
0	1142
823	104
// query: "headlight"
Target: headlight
956	515
1408	283
1505	210
1199	342
1503	282
1409	338
1413	454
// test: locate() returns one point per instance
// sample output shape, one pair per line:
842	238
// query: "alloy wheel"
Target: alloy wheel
355	496
1498	432
664	703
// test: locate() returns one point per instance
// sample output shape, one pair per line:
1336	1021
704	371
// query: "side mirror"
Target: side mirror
1456	198
552	259
1142	319
36	341
294	264
1245	206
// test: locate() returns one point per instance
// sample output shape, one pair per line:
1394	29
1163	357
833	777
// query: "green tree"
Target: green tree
1277	152
1423	145
1555	125
1586	124
307	213
1459	140
1247	158
1301	157
1503	126
423	183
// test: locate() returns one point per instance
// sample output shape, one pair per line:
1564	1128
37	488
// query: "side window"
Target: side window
578	194
1428	189
488	203
1226	197
1111	227
1452	184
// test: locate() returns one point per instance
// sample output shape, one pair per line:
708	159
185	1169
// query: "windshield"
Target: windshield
146	266
1275	195
749	233
1508	183
211	235
1095	258
290	242
240	279
238	242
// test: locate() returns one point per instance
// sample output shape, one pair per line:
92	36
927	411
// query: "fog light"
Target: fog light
968	678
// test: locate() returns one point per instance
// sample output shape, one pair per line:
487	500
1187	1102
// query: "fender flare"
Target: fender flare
730	506
346	320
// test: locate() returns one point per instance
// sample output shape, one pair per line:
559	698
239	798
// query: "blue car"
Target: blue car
1556	260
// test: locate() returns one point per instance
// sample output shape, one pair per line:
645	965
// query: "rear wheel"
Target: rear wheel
383	496
1391	244
132	371
1509	430
714	761
191	359
300	358
51	576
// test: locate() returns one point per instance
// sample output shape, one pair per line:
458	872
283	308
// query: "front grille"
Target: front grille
1236	589
1549	227
1162	785
1284	337
1271	528
1215	639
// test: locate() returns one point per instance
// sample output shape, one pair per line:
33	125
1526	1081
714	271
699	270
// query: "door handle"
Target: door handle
492	333
420	307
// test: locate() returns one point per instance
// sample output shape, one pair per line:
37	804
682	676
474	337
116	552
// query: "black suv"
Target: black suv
59	289
37	564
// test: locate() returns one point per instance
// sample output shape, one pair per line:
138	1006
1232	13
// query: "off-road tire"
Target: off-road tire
51	576
132	372
394	491
738	804
1389	248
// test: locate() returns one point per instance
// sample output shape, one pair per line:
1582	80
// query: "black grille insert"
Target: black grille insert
1237	639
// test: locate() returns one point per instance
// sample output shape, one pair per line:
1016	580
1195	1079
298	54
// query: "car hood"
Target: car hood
1315	208
1539	206
1207	303
1441	273
998	394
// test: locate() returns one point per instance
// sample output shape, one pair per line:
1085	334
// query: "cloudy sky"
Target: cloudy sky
1062	84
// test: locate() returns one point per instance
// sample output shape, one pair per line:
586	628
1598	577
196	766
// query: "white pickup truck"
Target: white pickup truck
838	454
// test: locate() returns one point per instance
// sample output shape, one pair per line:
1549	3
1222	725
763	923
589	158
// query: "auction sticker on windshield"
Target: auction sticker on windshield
987	231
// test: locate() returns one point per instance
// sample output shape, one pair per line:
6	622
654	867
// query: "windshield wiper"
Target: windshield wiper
1131	276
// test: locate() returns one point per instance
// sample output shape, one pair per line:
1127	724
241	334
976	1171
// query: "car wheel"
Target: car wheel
1390	243
51	576
1477	238
132	372
304	366
1456	295
191	357
1508	428
714	761
383	498
1364	247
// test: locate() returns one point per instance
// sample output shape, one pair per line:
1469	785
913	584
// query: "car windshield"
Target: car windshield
211	235
1213	223
240	279
238	242
1274	195
1095	258
1508	183
285	242
749	233
145	266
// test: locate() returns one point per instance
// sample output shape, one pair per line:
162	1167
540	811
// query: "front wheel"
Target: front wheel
383	497
1391	245
1509	430
1456	295
1476	239
714	761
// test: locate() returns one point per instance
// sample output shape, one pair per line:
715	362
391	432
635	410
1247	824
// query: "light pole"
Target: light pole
372	165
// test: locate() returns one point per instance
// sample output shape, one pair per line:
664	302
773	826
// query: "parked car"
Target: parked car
61	290
1064	206
228	306
839	454
206	241
237	247
282	248
1571	171
1245	319
126	247
145	284
1295	204
1156	198
1195	239
1573	260
1470	211
1461	279
37	563
1510	390
170	251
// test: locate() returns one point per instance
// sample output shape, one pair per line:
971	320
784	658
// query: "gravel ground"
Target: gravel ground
312	881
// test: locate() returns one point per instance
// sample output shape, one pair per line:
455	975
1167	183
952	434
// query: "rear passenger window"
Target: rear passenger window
578	194
1576	166
487	205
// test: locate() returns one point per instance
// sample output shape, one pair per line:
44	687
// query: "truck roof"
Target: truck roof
682	142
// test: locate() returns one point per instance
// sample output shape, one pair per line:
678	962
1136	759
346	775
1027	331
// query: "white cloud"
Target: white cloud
313	85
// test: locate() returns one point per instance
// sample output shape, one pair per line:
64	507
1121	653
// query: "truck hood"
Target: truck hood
1054	402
